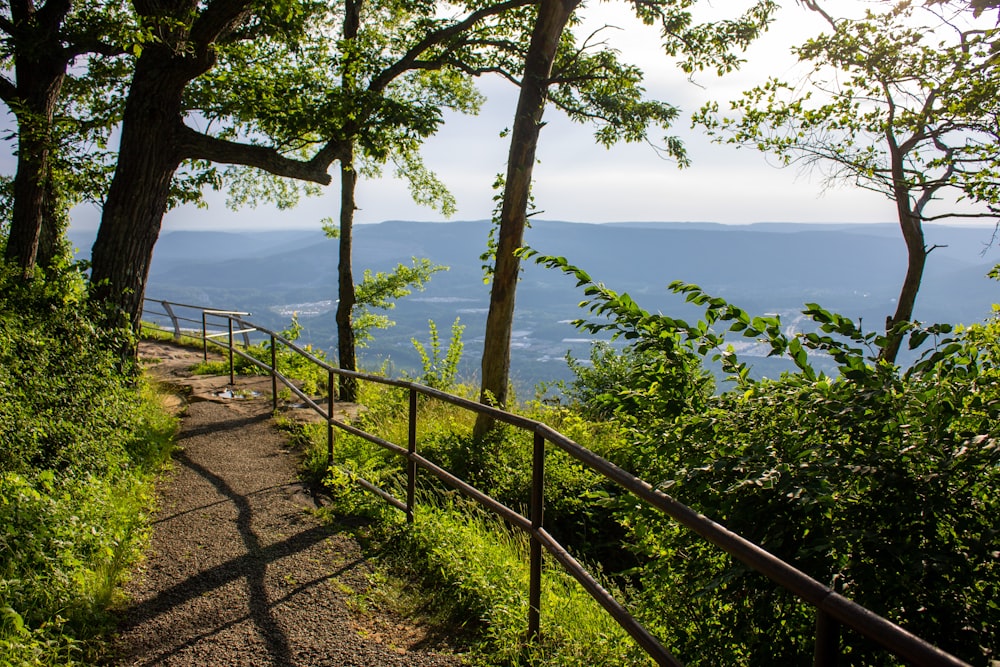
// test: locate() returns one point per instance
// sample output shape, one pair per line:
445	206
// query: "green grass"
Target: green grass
68	541
468	567
477	567
150	331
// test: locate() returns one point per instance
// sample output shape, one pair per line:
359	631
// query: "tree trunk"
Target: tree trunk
148	156
39	70
52	245
909	215
347	299
345	276
155	141
916	253
553	16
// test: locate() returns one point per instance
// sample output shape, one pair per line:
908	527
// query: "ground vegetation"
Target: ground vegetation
81	442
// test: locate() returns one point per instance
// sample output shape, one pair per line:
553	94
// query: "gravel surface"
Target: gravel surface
239	571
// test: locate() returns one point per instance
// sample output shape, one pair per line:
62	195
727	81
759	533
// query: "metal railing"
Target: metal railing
833	611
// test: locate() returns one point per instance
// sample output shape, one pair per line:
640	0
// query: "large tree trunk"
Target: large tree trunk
553	16
52	244
155	141
346	352
39	69
137	199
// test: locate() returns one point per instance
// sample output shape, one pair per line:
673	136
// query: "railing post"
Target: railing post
274	375
411	464
204	336
827	648
329	418
232	368
537	510
173	319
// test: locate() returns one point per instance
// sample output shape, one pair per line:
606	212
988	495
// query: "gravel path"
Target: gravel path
240	572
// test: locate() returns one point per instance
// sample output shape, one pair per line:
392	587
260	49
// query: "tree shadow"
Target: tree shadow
251	566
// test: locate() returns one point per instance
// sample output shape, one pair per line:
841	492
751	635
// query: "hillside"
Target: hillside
852	269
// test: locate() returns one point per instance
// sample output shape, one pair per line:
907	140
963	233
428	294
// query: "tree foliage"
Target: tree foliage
380	290
902	102
43	51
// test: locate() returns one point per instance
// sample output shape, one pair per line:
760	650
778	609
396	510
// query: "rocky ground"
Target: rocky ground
239	571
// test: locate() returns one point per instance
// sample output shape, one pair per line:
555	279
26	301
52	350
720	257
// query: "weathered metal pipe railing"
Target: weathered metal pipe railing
833	610
175	320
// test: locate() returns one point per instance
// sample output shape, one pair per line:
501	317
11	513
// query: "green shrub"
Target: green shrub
882	482
439	371
81	436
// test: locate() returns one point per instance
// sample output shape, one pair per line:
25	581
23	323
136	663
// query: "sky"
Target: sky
577	180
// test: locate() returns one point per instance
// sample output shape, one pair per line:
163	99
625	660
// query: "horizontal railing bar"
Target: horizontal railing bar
224	313
383	494
802	585
221	334
640	634
486	501
284	380
305	397
497	413
284	341
179	319
889	635
391	446
187	305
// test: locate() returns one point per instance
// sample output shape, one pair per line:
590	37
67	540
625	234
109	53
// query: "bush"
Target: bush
81	435
882	482
63	402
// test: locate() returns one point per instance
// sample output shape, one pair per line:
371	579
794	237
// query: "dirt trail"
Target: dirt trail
240	572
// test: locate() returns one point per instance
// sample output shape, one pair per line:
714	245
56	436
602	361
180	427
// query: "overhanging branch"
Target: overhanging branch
8	91
389	74
197	146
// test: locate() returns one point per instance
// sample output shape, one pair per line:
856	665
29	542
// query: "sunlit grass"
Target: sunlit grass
470	566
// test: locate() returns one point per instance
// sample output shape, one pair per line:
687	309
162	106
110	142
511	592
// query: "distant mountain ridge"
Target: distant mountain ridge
853	269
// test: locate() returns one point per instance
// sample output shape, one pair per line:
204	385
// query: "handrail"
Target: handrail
833	609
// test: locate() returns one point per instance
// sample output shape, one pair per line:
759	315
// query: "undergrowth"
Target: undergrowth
82	438
469	566
476	567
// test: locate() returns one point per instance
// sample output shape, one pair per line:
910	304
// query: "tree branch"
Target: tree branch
8	91
220	17
52	14
80	47
389	74
194	145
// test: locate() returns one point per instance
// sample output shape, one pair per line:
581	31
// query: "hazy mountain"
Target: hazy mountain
763	268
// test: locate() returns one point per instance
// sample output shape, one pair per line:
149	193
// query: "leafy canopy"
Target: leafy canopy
902	102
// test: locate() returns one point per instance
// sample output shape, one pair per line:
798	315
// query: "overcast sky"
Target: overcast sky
576	180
